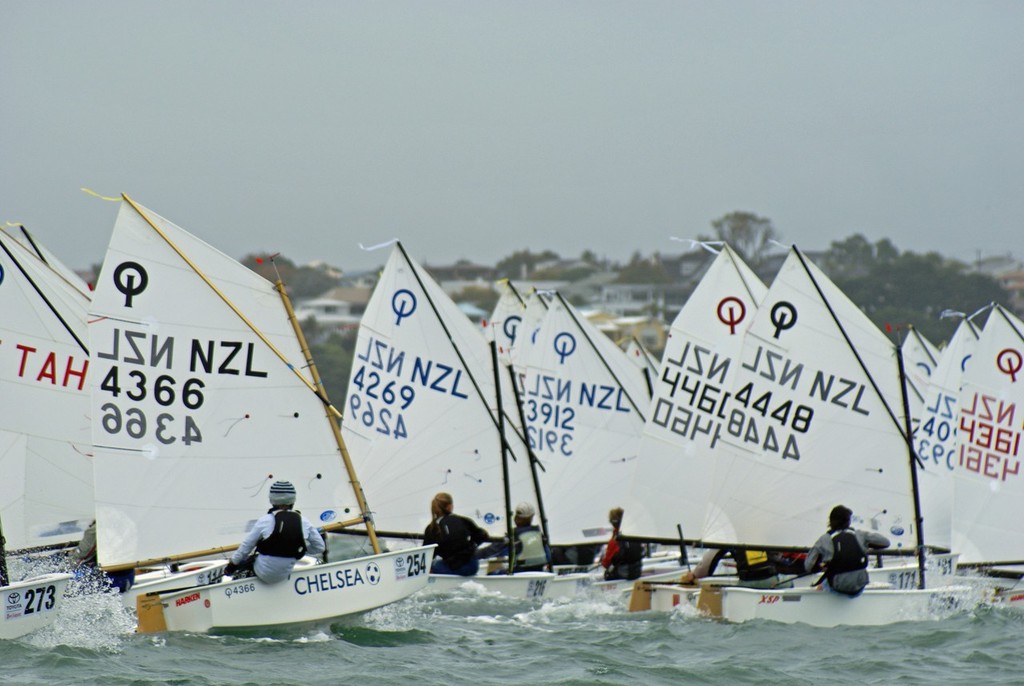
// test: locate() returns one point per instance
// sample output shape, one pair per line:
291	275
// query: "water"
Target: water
469	637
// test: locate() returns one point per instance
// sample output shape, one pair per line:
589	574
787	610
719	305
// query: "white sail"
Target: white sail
814	418
507	317
43	254
935	436
46	494
989	484
535	309
201	398
920	357
682	435
421	411
642	358
585	405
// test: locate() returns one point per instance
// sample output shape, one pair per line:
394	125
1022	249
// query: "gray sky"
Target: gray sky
474	129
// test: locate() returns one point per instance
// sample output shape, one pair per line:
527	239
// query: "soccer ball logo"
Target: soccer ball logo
373	573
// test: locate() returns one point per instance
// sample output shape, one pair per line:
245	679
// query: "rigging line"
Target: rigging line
32	242
920	340
451	339
227	301
853	349
514	290
39	292
601	357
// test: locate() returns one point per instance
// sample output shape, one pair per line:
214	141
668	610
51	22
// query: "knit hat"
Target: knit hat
282	493
524	510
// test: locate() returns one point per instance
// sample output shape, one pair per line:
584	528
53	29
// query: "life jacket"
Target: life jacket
629	552
455	543
530	551
753	565
287	539
847	556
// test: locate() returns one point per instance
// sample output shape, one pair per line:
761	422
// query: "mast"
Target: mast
5	579
509	524
918	517
367	518
541	513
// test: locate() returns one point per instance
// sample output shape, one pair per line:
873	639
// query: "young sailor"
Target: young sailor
531	555
279	538
456	537
843	552
621	559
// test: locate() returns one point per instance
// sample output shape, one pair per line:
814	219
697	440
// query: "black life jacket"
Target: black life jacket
847	555
287	539
455	542
753	565
629	552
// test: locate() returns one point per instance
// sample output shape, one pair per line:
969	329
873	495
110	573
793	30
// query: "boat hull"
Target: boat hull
527	585
310	595
199	573
31	604
822	608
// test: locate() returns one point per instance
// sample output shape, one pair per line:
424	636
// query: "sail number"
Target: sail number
378	405
550	426
40	599
163	390
416	564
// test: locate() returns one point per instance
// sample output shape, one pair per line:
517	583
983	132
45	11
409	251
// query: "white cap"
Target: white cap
524	510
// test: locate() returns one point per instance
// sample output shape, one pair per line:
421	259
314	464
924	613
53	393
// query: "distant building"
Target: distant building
339	309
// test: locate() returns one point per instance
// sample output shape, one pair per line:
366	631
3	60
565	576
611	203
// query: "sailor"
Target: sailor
84	558
531	554
622	559
456	537
754	568
842	552
279	538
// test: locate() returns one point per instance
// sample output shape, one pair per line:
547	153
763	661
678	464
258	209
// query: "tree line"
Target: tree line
895	289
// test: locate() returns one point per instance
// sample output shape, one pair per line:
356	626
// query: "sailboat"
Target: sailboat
920	358
431	408
203	394
988	483
585	405
642	357
698	365
815	416
46	495
935	437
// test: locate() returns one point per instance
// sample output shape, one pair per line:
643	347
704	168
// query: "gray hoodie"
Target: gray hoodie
846	582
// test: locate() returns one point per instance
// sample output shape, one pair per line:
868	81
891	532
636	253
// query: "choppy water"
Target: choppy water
469	637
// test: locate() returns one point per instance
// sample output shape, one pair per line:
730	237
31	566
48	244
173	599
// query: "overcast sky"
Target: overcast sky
475	129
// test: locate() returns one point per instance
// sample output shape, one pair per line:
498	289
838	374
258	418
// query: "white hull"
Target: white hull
621	586
570	585
527	585
822	608
902	573
199	573
31	604
310	594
